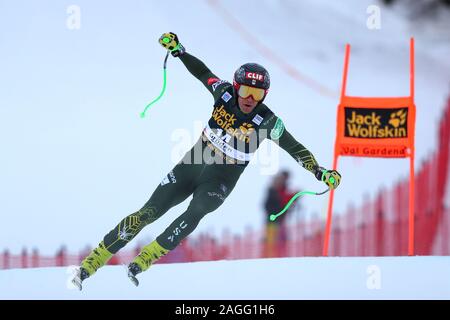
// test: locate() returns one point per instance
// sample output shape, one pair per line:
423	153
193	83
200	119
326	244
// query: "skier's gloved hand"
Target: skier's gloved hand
169	40
332	178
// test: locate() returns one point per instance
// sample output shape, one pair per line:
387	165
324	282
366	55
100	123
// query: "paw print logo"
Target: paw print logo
398	118
246	128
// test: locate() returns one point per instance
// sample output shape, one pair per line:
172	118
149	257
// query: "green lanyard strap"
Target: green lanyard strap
162	91
298	194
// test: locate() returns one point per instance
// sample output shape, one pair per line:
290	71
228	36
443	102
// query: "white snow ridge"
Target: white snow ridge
265	279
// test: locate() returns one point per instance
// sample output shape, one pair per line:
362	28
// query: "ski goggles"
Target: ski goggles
247	91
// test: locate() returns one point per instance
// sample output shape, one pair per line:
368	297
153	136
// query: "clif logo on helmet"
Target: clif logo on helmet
254	76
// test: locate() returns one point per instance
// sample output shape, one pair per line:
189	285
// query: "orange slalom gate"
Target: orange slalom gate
376	127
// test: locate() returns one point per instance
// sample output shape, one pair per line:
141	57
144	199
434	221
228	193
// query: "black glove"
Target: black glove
169	40
331	178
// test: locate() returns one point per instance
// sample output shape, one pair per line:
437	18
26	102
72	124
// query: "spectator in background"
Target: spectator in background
61	256
278	195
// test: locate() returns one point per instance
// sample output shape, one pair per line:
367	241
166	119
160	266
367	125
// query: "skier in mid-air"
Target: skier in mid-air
240	121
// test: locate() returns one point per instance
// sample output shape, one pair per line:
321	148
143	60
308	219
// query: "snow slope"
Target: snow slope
267	279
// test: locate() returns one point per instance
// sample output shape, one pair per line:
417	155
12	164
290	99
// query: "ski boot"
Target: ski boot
80	275
149	255
96	259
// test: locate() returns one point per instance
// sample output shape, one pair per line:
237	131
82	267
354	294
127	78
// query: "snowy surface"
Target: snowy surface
76	156
271	279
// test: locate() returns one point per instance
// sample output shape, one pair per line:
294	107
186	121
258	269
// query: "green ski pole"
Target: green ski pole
163	88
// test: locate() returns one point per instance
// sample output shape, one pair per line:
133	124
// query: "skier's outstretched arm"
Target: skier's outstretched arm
194	65
280	135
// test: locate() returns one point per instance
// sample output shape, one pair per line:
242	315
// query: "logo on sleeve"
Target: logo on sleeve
170	178
217	83
277	130
212	80
226	96
269	120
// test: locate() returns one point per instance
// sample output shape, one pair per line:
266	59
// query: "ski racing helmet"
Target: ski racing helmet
252	79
